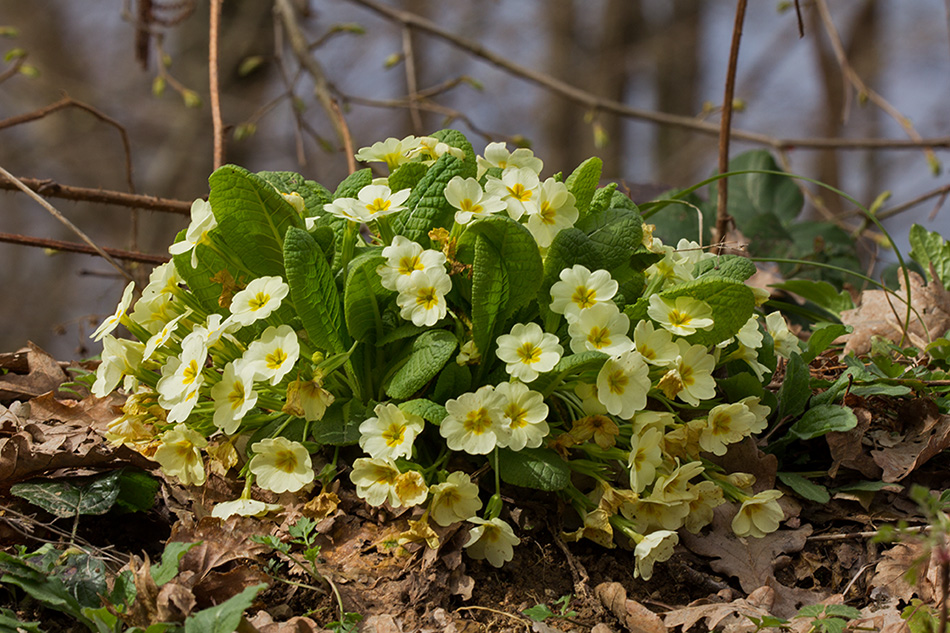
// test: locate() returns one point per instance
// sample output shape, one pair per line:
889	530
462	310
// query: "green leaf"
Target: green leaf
313	193
821	293
804	487
427	207
506	273
821	339
731	302
795	392
340	425
454	379
614	233
252	219
407	176
731	266
313	291
352	184
454	138
583	182
225	617
823	419
10	622
428	354
568	366
364	298
425	409
755	197
539	612
69	497
602	199
84	578
928	248
538	468
48	590
137	490
164	571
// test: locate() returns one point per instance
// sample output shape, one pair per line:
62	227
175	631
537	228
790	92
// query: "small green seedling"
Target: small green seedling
541	612
828	618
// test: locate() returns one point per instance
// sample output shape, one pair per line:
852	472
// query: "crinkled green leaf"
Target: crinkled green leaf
425	409
731	302
822	419
137	490
69	497
313	193
583	182
538	468
506	273
620	200
602	199
224	617
313	291
252	219
754	195
928	248
571	365
453	380
454	138
352	184
364	298
732	266
407	175
427	207
428	354
615	233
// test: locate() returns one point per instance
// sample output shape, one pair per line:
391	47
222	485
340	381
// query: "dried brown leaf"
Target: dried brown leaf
636	617
889	574
926	434
263	622
219	541
848	450
44	375
727	616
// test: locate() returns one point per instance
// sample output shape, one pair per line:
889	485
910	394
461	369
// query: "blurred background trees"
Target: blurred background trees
145	65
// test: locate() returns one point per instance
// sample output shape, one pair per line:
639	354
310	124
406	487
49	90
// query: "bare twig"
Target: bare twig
412	87
213	83
73	247
904	206
72	227
347	139
722	213
858	84
66	192
13	69
69	102
300	47
801	22
596	103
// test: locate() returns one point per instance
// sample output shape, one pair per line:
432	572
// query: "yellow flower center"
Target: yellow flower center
428	298
477	421
547	213
679	319
517	415
394	435
236	396
720	424
617	381
276	358
285	461
258	301
529	353
599	337
378	205
584	297
191	372
470	206
408	265
519	192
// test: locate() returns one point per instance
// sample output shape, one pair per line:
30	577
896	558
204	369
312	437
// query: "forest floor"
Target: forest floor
823	553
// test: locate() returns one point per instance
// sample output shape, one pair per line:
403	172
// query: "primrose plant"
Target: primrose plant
465	321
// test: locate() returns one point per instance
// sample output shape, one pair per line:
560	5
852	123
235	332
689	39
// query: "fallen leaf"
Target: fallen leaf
726	616
926	433
263	622
636	617
44	375
880	313
889	574
746	457
219	541
847	448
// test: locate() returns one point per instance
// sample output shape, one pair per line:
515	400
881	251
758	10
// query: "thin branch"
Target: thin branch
347	139
69	102
606	105
13	69
74	247
66	192
412	87
213	83
300	47
855	80
722	213
72	227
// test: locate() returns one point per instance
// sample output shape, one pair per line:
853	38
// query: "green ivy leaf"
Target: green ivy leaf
928	248
69	497
538	468
364	298
428	354
313	291
225	617
823	419
252	219
583	182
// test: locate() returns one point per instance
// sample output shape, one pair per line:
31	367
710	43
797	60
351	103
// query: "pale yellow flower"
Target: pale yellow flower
759	515
492	539
281	465
455	499
180	454
113	321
